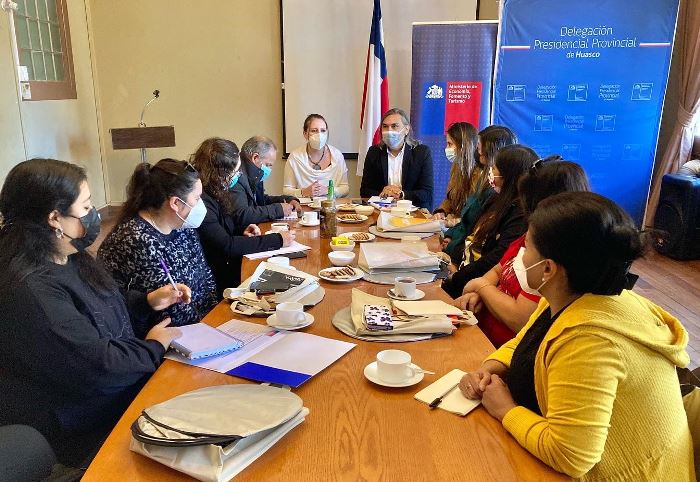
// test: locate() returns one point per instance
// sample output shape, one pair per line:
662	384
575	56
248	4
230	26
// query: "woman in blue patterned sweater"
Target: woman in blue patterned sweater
158	222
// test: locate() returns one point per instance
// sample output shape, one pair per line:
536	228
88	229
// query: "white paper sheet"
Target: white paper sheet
454	402
292	248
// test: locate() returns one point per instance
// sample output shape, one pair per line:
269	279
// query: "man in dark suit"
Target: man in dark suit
251	204
398	166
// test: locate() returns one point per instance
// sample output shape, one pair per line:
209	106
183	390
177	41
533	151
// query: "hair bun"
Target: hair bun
626	243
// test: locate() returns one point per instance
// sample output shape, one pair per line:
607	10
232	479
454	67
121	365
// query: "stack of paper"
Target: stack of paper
397	257
295	293
454	401
389	223
292	248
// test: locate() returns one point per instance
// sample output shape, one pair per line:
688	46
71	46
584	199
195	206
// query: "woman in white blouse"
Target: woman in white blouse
311	166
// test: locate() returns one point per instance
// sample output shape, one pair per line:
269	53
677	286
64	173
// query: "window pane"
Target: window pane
58	63
31	8
39	71
45	37
55	38
25	58
20	8
43	13
48	61
22	33
34	34
53	15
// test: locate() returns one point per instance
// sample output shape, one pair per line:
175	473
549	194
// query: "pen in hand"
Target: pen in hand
169	276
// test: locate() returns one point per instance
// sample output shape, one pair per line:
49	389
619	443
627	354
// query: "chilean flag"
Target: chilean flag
375	97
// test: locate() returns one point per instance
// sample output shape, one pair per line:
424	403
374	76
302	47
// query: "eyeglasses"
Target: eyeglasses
175	167
544	160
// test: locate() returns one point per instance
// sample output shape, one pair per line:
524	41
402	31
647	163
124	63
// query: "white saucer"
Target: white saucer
309	225
371	375
272	318
418	296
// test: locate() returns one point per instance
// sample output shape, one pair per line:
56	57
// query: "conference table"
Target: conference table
355	430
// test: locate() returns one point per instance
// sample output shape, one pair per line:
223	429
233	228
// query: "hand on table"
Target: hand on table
163	334
165	296
447	240
496	398
295	205
287	208
252	230
469	301
439	217
287	237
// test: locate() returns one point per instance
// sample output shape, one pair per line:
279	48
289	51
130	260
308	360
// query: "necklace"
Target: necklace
316	165
151	220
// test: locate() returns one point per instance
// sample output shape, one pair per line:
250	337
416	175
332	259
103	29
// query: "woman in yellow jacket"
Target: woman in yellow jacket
589	385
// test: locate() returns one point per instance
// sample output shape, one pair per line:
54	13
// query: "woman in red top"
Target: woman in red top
500	301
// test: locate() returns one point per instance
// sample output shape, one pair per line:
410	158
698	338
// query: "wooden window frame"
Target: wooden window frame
50	89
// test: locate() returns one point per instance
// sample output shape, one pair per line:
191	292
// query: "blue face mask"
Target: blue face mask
234	180
267	170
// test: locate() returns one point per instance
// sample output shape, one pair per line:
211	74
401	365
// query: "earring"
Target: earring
58	232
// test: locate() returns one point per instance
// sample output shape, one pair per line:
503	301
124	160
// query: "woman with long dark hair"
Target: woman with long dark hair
490	140
156	229
501	222
70	362
589	385
500	299
225	242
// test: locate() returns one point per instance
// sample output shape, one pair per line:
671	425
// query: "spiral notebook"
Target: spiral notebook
201	341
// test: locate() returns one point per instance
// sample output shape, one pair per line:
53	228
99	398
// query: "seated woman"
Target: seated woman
218	160
490	140
157	226
501	222
589	386
399	166
71	363
461	139
501	300
311	166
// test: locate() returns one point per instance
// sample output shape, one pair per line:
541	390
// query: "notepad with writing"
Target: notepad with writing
453	402
201	341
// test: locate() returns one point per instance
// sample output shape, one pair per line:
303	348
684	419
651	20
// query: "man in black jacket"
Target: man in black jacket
398	166
251	204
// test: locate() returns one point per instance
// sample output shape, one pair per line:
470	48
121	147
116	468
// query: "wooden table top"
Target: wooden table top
355	430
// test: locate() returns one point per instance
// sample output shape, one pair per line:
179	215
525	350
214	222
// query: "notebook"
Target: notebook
201	341
454	401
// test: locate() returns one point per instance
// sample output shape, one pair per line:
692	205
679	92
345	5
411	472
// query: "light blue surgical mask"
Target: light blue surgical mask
450	153
195	217
267	170
393	139
234	180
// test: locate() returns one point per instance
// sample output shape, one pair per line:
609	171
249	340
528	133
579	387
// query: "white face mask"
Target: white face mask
521	273
450	153
318	140
195	217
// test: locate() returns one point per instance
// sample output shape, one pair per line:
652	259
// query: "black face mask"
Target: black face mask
91	222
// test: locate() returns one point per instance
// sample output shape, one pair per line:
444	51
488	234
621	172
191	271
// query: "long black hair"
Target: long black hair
32	191
150	186
593	238
547	177
493	138
512	162
217	160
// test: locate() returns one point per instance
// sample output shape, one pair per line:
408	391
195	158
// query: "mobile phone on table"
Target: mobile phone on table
296	254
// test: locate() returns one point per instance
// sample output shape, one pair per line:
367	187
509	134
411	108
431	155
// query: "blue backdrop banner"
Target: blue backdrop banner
451	82
586	79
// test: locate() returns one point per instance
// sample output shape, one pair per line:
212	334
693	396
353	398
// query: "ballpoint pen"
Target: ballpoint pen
167	273
439	399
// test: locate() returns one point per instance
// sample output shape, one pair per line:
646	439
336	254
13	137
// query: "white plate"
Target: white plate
397	234
273	318
347	235
302	223
347	208
362	219
358	274
371	375
418	296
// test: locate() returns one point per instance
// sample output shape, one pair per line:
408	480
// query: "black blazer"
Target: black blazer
224	244
251	204
513	225
416	174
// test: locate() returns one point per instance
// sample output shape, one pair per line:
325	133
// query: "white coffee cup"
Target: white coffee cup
410	238
404	286
231	293
289	314
310	217
279	261
279	227
394	366
404	204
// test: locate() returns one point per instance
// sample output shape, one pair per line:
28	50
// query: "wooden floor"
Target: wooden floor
673	285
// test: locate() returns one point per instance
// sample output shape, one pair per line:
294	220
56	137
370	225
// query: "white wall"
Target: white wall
60	129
